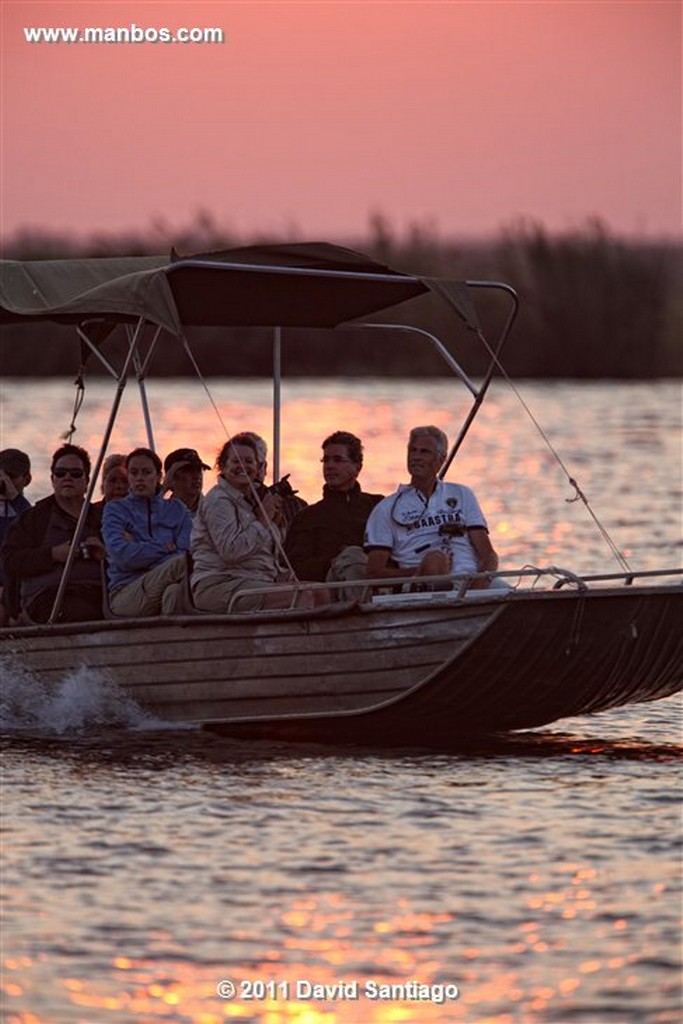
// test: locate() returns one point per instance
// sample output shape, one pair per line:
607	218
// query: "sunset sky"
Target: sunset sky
311	115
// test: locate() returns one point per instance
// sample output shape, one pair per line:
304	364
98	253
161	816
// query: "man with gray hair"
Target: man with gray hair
428	527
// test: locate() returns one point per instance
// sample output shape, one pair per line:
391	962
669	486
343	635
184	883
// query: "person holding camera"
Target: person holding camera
291	503
15	475
428	527
37	547
237	539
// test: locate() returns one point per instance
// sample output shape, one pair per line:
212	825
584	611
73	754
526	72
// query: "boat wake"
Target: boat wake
83	700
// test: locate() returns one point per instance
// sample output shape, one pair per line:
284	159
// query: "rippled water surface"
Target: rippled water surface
540	875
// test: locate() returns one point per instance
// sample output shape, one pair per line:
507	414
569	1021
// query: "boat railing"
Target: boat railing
453	586
627	578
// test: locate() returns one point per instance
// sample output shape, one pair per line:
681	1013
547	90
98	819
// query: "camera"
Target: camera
282	488
452	530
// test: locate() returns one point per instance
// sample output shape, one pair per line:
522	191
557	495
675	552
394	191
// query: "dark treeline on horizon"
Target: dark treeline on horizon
592	305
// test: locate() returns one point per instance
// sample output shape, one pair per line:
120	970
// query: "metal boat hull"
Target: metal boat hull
425	673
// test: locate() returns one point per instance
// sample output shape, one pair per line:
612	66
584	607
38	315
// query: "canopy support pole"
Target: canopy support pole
277	399
73	550
493	365
139	373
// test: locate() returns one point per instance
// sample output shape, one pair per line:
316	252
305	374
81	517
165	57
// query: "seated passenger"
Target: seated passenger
291	504
236	538
114	478
37	547
325	540
428	527
147	539
15	475
184	477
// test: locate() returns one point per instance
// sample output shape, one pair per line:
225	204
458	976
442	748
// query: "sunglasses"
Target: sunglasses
75	473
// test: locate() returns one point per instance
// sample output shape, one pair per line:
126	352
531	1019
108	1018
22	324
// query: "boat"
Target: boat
392	668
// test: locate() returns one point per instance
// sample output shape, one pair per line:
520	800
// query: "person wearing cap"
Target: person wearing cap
15	475
37	547
184	477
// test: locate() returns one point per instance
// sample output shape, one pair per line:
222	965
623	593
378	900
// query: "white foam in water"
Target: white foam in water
84	699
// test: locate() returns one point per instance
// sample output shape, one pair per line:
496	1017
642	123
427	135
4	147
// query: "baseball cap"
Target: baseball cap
14	462
188	455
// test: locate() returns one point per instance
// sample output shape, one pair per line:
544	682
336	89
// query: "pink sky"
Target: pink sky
311	115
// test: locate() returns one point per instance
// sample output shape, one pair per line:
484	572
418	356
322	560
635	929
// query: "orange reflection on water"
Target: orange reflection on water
327	940
404	949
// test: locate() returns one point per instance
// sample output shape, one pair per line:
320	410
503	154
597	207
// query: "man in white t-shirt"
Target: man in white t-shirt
428	527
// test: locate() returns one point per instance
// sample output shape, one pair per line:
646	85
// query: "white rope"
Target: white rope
271	527
579	494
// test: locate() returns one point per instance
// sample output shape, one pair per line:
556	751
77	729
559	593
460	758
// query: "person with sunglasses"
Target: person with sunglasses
325	540
37	547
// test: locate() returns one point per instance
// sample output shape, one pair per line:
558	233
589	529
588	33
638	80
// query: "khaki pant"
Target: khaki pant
350	564
214	594
160	591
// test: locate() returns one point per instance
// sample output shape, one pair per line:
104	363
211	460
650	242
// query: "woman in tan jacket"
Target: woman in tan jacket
236	540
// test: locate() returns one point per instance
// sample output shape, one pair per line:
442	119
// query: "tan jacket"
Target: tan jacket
228	541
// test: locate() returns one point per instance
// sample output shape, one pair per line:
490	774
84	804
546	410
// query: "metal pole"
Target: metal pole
71	558
277	381
143	400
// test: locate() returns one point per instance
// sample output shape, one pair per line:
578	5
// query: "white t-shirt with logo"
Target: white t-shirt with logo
408	524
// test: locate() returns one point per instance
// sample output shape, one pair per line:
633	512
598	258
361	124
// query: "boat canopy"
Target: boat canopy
300	285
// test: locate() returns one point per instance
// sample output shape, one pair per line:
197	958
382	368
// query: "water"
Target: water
540	876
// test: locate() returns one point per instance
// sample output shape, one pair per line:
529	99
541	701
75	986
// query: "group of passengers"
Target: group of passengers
243	546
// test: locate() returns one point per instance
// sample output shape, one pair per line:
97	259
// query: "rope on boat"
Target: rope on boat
274	532
579	494
78	402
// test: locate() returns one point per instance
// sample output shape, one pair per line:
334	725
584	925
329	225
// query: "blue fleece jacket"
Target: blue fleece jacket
140	533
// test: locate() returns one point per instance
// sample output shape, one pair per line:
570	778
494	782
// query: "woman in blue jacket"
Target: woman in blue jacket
147	538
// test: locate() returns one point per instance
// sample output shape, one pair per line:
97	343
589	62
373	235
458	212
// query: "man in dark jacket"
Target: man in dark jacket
37	547
324	541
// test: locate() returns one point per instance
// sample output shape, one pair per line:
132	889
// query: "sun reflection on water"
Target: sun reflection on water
319	946
563	942
524	492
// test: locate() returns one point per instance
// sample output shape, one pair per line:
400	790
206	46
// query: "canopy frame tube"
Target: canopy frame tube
277	400
140	366
76	540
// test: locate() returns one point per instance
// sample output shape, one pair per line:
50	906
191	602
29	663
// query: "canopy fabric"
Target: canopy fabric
117	288
301	285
